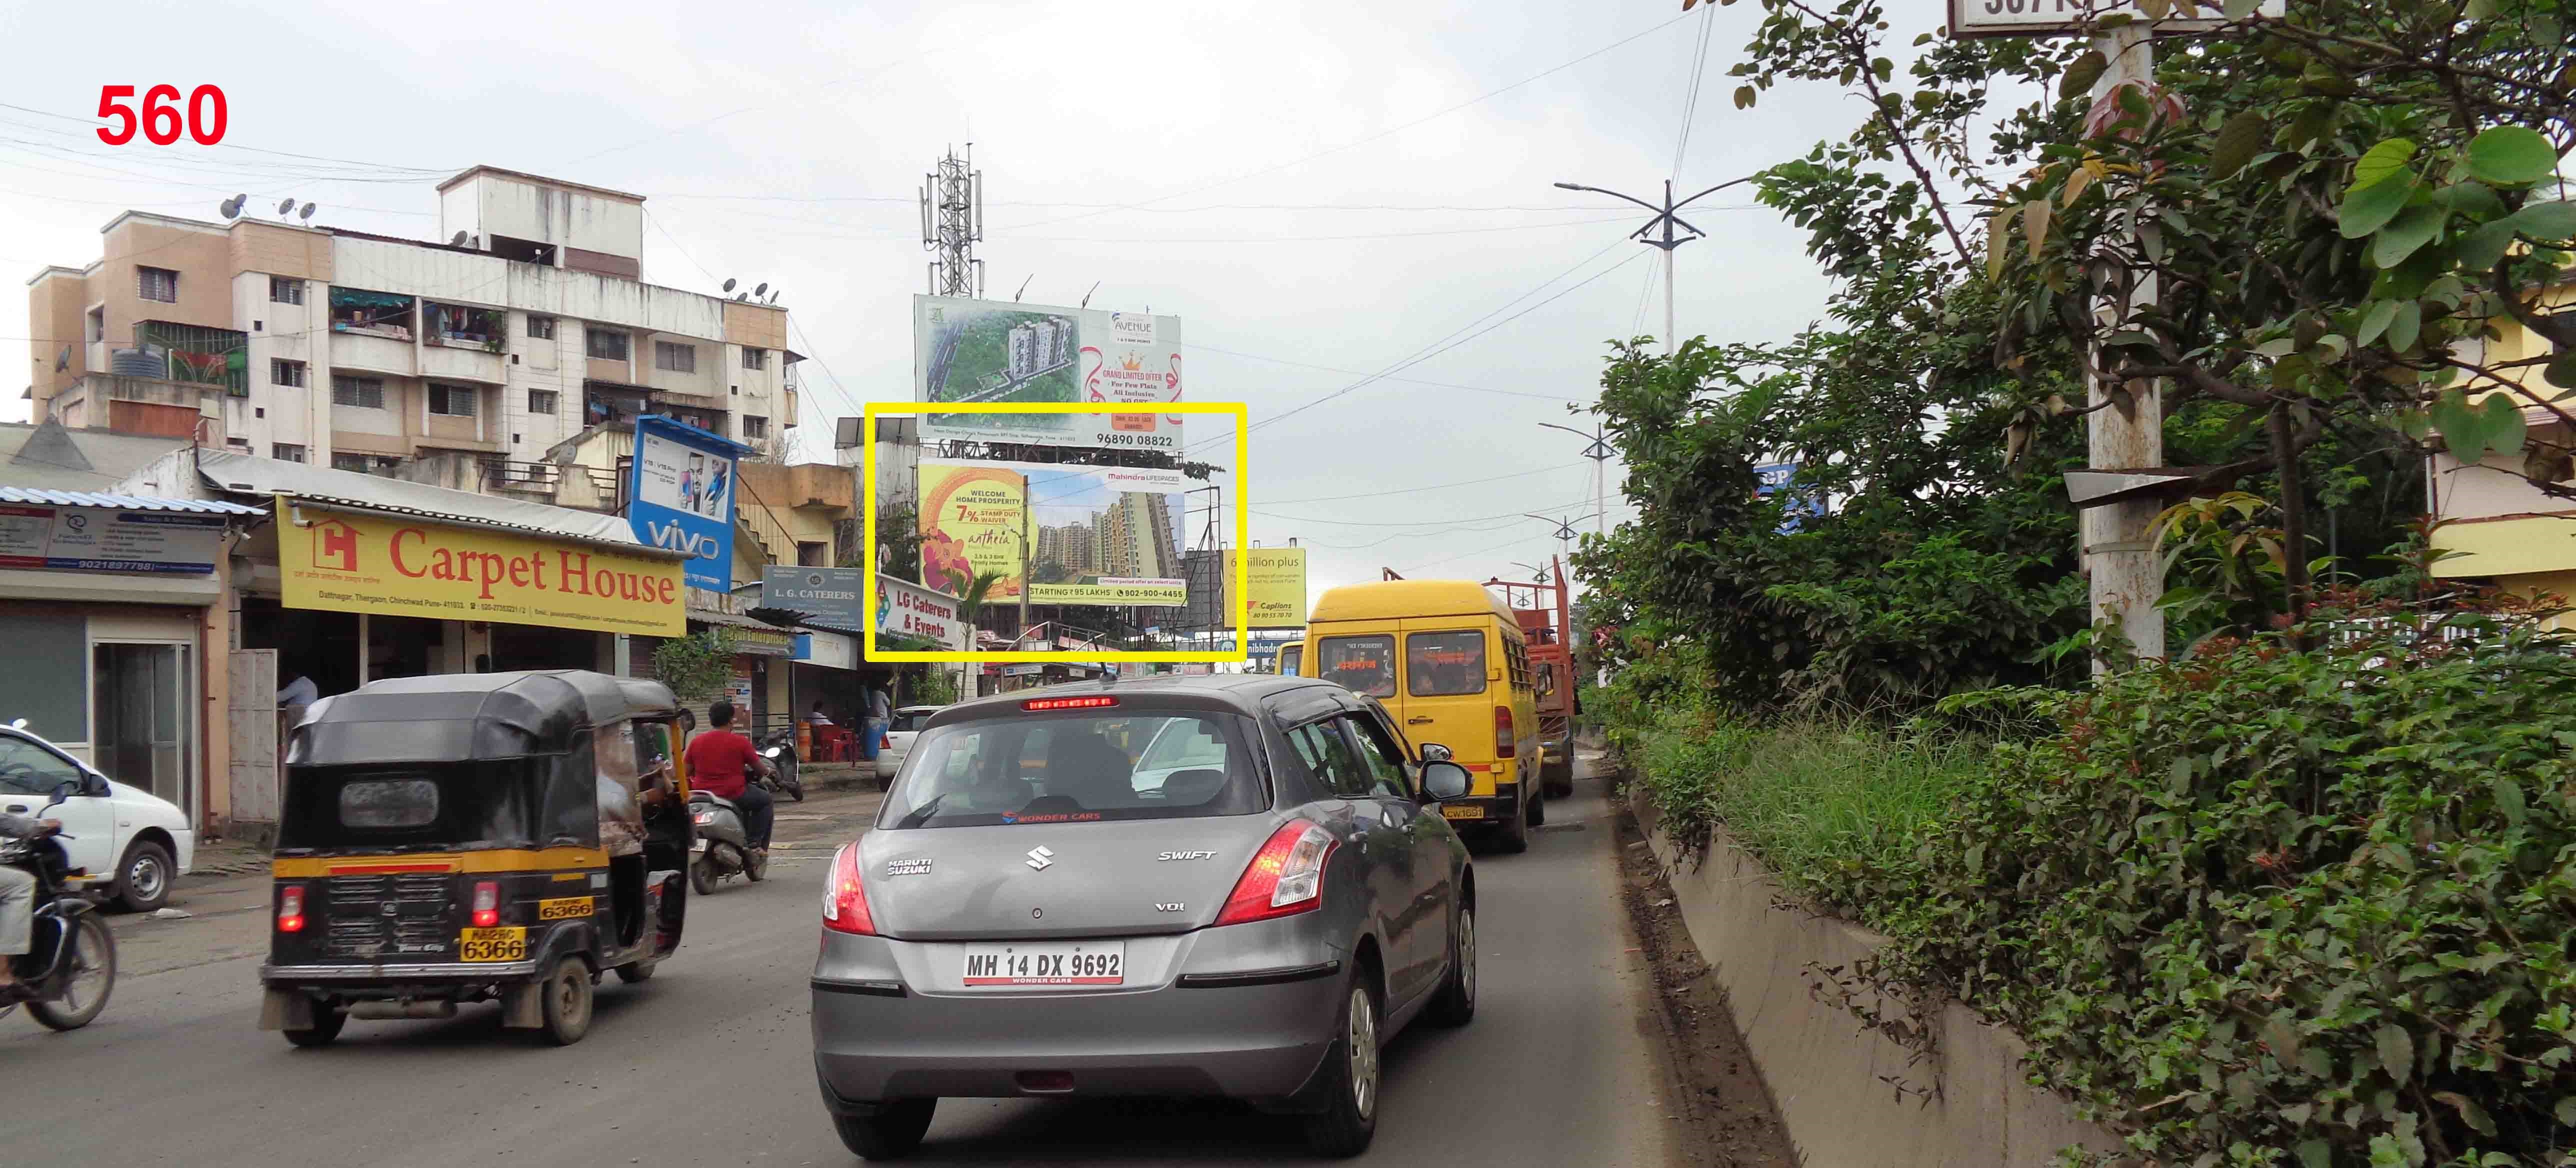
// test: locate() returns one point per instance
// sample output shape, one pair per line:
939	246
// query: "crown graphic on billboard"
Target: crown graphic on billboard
1130	362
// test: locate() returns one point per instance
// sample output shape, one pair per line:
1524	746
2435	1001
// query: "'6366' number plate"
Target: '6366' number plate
1081	964
510	944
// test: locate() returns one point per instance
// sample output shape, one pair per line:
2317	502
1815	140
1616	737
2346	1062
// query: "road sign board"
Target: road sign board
1993	18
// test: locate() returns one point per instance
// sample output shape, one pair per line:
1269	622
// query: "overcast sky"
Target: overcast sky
1320	190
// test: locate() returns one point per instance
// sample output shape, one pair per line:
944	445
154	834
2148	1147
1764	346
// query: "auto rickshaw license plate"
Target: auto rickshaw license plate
510	944
1456	811
563	908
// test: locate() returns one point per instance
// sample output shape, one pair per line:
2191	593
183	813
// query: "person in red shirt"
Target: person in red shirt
721	763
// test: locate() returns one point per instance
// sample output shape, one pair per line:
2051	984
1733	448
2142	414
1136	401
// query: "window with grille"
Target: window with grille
543	402
366	393
606	344
755	358
286	452
675	357
453	400
754	427
541	328
160	284
284	372
285	291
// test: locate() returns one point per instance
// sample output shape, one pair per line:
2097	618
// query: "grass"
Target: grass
1818	801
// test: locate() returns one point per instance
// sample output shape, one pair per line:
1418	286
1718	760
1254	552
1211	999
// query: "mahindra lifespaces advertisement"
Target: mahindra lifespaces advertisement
1093	534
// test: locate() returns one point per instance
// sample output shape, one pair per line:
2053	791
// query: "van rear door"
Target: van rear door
1451	666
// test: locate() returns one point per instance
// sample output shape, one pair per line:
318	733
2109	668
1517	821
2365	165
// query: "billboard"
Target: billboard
93	539
346	562
1276	579
1095	534
679	496
1774	479
986	351
829	595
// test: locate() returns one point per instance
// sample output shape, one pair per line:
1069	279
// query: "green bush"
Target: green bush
2279	907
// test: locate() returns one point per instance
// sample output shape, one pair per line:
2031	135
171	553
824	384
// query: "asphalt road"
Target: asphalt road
711	1062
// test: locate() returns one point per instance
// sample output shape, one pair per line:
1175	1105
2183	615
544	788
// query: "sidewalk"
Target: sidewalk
227	858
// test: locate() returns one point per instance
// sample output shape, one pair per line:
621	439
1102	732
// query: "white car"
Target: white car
114	831
907	722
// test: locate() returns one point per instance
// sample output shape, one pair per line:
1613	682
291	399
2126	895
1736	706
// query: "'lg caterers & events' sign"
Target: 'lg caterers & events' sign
107	539
911	618
375	564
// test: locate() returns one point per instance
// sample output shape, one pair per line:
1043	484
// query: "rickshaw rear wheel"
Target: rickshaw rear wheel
566	996
635	971
327	1021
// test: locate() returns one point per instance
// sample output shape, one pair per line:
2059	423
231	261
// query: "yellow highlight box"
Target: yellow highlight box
1242	651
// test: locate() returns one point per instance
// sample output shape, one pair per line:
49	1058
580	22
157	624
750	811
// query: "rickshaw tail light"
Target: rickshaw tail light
487	903
845	901
290	909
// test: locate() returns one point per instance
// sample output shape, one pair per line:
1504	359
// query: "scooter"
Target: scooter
722	850
781	753
69	970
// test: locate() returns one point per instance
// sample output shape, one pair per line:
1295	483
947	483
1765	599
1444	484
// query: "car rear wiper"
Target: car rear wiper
914	817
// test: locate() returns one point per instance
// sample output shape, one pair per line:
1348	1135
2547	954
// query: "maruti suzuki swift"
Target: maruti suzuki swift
1234	886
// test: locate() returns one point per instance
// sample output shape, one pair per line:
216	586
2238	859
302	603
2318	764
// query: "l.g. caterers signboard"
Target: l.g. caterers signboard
108	539
914	619
347	562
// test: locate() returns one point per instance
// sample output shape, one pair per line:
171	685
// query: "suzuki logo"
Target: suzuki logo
669	536
1040	858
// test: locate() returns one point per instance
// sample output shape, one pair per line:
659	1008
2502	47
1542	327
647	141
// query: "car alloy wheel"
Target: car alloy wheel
1362	1042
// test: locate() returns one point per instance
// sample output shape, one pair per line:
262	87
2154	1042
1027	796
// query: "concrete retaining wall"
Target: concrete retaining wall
1835	1082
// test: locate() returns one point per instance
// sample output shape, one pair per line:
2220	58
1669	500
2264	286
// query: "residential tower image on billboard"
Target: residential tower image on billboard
985	353
1095	534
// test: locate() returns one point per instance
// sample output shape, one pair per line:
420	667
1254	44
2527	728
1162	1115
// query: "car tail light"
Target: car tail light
290	909
1089	703
1286	876
845	902
487	903
1504	739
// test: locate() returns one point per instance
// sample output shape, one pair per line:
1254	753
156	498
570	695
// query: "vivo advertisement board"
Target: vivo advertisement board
679	496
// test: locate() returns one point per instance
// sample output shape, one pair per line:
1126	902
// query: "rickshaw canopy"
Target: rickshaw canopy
469	717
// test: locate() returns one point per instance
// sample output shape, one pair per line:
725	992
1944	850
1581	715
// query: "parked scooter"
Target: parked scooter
67	973
780	750
722	849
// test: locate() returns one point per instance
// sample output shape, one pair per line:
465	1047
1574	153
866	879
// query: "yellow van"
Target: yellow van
1448	661
1285	664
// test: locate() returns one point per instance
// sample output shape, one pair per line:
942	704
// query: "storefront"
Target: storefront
113	606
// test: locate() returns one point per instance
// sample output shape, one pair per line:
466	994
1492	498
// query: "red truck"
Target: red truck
1540	606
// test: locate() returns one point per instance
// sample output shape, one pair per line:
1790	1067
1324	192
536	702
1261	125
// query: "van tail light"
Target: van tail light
845	901
487	903
1286	876
1505	742
290	909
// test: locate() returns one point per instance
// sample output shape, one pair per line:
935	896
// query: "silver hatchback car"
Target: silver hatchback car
1234	886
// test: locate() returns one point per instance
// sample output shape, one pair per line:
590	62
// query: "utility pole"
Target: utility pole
1666	219
1028	570
952	223
1564	529
2120	564
1599	453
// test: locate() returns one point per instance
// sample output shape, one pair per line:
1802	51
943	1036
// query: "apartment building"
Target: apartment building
521	330
2501	528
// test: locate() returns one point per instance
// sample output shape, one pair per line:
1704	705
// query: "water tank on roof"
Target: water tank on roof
144	362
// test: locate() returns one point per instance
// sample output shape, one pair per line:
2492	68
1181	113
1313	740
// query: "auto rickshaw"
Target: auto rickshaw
476	837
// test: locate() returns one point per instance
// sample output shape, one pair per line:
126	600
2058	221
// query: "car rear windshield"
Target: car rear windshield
409	807
1075	768
906	723
1444	664
1364	665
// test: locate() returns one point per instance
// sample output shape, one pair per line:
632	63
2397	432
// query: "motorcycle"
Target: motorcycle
781	753
69	969
722	849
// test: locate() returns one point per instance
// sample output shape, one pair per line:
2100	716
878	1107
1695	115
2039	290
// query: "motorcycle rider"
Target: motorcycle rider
720	763
18	898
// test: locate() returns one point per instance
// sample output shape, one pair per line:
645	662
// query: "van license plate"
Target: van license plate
510	944
1457	811
1087	964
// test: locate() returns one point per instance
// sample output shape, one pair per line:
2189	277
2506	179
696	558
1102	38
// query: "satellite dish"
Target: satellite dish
232	207
773	297
306	214
764	287
740	296
285	207
459	241
728	284
63	360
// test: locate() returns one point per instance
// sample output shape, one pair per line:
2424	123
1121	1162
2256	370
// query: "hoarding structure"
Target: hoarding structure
1094	534
986	352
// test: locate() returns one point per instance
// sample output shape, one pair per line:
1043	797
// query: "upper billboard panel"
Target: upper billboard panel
2004	18
990	351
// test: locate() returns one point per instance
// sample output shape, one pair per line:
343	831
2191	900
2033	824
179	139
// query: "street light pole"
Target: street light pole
1666	218
1599	453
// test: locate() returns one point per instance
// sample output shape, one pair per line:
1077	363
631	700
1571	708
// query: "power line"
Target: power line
1406	380
1433	487
1690	96
1407	523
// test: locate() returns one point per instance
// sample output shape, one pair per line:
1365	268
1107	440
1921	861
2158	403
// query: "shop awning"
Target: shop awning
41	497
251	475
755	638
